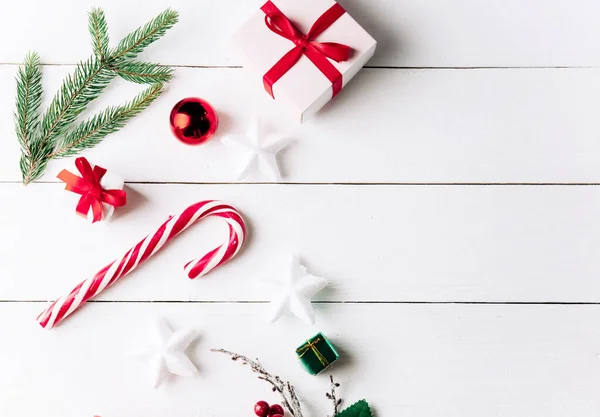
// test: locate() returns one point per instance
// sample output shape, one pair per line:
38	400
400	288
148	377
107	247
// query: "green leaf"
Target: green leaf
144	72
134	43
29	99
99	31
359	409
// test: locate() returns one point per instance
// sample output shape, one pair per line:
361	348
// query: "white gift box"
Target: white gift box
304	89
109	181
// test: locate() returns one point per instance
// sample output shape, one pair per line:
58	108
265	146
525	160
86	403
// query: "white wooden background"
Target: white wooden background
450	194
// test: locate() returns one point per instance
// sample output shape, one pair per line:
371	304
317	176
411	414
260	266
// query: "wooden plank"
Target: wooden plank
374	243
428	33
388	126
417	360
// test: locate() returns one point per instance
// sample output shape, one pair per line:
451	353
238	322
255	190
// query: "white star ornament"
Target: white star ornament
259	150
293	292
167	353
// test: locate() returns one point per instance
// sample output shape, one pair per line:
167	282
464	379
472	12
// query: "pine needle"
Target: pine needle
78	90
144	72
142	37
53	135
29	99
99	31
90	132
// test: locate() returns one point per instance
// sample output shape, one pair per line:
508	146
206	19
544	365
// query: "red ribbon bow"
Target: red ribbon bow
92	193
317	52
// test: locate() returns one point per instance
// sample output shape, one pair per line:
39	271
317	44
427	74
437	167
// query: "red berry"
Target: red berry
261	409
276	411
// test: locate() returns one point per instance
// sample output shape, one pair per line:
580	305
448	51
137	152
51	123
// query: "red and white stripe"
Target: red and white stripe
111	273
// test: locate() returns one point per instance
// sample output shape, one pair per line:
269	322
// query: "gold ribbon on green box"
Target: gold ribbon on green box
313	346
318	348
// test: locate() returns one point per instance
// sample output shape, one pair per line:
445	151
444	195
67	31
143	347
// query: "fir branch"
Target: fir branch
285	389
53	136
32	168
332	396
144	72
86	83
90	132
79	89
99	32
29	99
142	37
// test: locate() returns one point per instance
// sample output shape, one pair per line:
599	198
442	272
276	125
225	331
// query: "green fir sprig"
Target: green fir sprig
53	134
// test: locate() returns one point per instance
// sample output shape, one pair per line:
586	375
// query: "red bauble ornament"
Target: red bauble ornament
193	121
276	410
261	409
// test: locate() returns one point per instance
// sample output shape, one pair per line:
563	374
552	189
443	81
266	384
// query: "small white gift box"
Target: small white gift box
295	45
95	192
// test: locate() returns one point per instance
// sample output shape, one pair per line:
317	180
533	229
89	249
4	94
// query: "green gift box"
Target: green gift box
317	354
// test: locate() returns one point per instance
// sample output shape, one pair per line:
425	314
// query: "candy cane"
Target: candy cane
174	225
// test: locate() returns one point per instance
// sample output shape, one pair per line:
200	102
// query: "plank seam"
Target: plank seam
508	303
379	67
445	184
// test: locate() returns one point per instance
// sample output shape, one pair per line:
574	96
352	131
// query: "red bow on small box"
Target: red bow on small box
317	52
92	193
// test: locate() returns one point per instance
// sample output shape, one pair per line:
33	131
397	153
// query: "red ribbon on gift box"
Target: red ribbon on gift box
318	52
92	193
